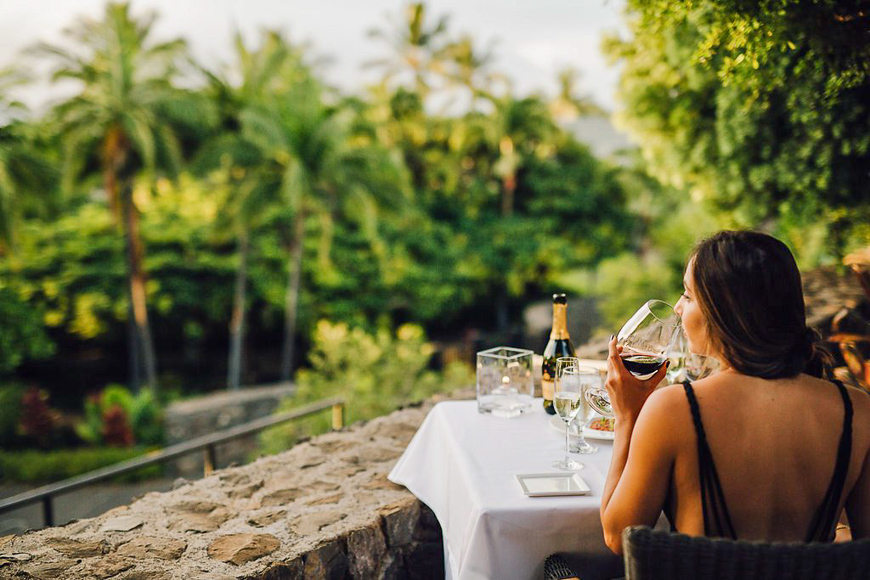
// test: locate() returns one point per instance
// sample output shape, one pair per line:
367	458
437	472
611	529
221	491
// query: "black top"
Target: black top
717	520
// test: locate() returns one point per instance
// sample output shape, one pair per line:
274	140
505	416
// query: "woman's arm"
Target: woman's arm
640	471
858	502
640	468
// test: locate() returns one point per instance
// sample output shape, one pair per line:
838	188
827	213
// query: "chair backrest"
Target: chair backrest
659	554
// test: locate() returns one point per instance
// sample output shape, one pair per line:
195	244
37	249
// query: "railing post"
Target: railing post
209	460
47	512
338	416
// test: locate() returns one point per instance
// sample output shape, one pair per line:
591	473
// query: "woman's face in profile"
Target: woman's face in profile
689	310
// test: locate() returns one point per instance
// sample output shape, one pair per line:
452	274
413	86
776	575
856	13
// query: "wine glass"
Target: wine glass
647	340
699	366
568	401
677	359
590	379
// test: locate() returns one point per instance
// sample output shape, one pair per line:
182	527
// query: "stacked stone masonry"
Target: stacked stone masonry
323	509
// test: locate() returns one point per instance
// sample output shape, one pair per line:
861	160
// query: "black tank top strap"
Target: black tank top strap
717	520
822	525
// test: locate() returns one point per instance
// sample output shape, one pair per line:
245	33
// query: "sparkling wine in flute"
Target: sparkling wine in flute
568	405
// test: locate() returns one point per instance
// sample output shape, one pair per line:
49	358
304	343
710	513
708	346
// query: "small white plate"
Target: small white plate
559	425
553	484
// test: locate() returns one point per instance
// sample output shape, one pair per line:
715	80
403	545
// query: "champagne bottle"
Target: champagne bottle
559	345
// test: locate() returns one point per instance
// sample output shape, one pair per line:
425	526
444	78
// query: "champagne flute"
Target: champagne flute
590	378
646	340
568	400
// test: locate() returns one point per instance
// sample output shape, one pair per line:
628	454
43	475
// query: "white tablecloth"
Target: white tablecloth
463	464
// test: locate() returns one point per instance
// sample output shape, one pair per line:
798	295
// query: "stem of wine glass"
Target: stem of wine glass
567	445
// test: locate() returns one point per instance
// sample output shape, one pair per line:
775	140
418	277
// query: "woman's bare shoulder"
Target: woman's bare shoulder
665	397
667	407
861	409
860	398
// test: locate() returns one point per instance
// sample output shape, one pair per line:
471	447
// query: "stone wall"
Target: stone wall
323	509
209	413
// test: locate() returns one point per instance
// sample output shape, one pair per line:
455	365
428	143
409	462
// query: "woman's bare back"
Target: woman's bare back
774	444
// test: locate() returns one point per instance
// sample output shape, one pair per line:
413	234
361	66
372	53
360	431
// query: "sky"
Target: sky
533	40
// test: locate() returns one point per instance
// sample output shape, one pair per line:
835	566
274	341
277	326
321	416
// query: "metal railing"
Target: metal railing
206	443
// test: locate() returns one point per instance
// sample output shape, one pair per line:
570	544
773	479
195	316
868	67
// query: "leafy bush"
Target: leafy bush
37	421
47	466
10	407
22	334
627	281
375	373
109	415
146	419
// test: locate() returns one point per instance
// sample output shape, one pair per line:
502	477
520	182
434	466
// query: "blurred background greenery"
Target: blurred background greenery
171	229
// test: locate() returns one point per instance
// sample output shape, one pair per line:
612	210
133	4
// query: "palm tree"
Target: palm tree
26	177
318	165
469	68
417	47
567	104
519	126
262	74
123	120
515	131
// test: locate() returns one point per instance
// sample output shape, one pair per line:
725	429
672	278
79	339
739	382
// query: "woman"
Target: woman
763	449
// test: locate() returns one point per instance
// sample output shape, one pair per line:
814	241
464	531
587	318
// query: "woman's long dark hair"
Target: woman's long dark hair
749	291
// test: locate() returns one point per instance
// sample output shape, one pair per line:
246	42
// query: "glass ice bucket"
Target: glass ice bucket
505	386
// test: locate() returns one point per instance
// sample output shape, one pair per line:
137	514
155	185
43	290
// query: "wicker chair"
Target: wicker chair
658	554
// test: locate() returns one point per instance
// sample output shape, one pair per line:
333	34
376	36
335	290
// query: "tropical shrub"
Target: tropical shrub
117	417
22	334
375	373
37	421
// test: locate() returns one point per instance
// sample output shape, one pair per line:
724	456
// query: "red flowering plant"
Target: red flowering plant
38	421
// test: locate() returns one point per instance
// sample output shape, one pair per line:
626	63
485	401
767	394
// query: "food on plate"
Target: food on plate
601	424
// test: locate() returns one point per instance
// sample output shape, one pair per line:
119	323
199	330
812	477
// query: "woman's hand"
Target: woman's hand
627	392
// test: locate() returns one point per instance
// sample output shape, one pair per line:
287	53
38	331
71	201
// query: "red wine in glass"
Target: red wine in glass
642	365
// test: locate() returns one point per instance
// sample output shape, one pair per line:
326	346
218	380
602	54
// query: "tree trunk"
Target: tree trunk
292	299
137	286
119	192
237	322
509	186
133	346
509	177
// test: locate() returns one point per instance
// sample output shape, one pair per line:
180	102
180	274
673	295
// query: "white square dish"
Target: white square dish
552	484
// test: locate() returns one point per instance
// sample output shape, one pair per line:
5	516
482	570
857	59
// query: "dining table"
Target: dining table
464	465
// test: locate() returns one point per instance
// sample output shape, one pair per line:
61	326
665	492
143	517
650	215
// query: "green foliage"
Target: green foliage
627	281
51	466
405	215
90	428
141	411
10	409
760	108
128	105
38	421
22	335
374	373
146	419
667	224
